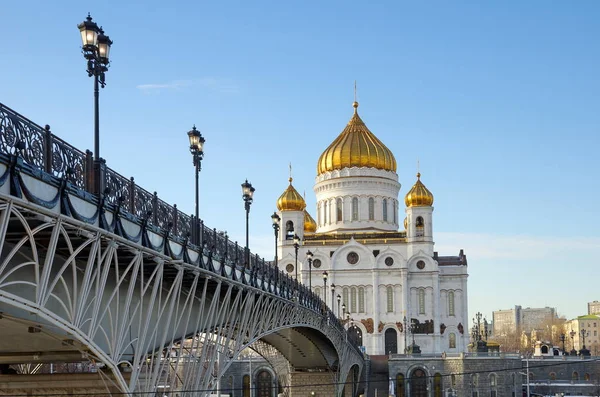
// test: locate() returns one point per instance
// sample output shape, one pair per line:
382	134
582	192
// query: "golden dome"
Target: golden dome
310	226
356	146
419	195
291	200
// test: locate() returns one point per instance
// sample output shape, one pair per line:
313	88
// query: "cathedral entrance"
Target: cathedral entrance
264	384
418	383
355	334
391	341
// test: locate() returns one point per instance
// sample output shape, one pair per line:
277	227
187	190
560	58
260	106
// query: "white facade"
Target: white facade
382	274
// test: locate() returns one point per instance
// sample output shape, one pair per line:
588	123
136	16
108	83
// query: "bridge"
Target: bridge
98	271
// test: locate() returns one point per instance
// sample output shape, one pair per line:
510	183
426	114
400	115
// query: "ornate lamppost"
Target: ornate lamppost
583	352
562	339
309	255
332	295
296	247
276	219
339	298
325	275
343	310
247	194
572	335
197	151
95	48
404	320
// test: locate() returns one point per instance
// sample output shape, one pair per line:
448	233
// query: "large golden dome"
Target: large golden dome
291	200
310	226
356	146
419	195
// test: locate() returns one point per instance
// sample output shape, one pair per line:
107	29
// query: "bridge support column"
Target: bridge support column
321	383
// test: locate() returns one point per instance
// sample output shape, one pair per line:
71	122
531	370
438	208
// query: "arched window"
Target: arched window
246	386
391	341
394	204
419	227
544	349
421	301
586	376
437	385
400	385
453	380
552	375
346	299
390	298
418	383
493	385
355	208
353	300
451	303
338	210
385	210
361	299
289	230
575	375
325	217
452	340
319	208
371	209
265	384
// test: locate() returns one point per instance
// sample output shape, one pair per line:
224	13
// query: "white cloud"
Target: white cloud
173	85
224	86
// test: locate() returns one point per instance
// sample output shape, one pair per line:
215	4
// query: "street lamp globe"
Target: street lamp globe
104	43
247	191
276	219
89	33
196	141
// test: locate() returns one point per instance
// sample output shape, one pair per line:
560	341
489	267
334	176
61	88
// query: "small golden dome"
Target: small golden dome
310	226
291	200
419	195
356	146
405	223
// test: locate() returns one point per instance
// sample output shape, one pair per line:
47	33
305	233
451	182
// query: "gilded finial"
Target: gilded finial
418	175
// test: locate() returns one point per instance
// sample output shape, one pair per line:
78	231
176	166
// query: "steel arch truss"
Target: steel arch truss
154	321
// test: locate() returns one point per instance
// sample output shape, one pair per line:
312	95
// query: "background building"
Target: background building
388	280
590	324
522	320
594	307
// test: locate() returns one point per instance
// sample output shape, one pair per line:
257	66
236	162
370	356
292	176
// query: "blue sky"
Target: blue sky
499	101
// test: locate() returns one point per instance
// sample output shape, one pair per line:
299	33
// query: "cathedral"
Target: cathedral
394	293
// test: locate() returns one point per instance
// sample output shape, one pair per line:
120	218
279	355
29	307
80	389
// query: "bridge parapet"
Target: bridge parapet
122	205
47	184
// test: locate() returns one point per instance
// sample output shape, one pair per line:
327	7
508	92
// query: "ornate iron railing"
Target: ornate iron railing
42	150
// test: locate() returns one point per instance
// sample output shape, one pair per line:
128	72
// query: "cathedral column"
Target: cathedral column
405	303
436	313
464	316
376	339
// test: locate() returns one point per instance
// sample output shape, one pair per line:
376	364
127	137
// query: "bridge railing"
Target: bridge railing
41	149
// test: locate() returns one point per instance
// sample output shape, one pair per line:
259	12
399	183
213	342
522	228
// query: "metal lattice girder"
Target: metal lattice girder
154	321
